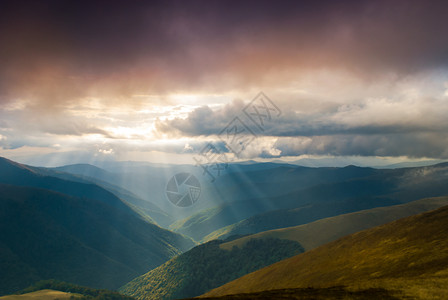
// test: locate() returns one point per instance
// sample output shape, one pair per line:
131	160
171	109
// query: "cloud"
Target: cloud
51	58
3	124
106	152
410	145
201	121
370	116
351	77
402	124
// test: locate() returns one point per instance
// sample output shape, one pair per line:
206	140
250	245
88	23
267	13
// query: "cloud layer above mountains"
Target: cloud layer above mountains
362	78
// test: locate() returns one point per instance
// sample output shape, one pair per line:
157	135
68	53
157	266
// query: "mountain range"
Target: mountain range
78	232
320	232
206	266
298	195
247	194
408	258
112	226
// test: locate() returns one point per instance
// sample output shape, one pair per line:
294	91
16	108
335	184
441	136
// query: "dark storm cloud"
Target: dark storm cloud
339	132
204	121
201	121
54	54
411	145
58	50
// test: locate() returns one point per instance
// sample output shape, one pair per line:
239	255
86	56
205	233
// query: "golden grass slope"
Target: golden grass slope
41	295
408	256
323	231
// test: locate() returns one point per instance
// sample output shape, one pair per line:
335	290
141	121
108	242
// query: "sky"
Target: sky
160	80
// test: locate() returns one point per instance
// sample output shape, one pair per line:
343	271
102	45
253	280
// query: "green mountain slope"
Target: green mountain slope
208	266
246	217
323	231
21	175
297	216
77	232
408	257
51	235
80	186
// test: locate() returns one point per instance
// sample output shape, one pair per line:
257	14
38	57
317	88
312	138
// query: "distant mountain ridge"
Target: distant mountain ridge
326	192
325	230
248	190
22	175
108	180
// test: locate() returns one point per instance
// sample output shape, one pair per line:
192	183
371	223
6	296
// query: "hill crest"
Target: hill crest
408	251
